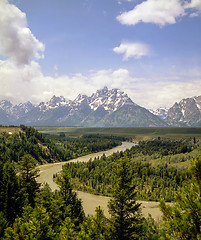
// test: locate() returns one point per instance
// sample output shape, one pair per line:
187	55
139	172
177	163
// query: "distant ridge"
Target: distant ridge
186	113
104	108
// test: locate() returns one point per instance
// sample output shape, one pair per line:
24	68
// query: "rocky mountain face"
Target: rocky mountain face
105	108
160	112
9	114
185	113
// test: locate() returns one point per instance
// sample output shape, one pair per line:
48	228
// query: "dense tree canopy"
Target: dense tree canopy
53	149
31	211
152	181
183	220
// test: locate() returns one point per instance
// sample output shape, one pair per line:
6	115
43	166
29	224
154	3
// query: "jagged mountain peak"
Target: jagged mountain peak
198	102
185	113
5	104
161	112
26	107
80	98
16	111
55	100
105	107
101	92
54	103
22	108
110	100
26	104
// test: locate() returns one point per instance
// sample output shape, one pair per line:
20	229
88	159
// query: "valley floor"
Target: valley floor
91	201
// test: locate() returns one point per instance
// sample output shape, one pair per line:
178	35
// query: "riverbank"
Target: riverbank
48	170
90	201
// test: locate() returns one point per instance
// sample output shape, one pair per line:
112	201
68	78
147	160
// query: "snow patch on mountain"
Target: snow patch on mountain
185	113
18	110
6	105
55	102
160	112
110	100
80	99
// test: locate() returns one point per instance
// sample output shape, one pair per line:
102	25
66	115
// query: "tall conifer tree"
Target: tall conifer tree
28	175
126	220
72	206
11	196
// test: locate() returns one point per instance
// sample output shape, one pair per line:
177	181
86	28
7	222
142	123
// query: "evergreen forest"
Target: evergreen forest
163	170
49	149
152	166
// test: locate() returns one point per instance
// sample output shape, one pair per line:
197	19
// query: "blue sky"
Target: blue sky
149	49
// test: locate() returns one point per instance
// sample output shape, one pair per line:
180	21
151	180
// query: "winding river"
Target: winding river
90	201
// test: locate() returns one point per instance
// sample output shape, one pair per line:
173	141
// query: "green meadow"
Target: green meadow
133	133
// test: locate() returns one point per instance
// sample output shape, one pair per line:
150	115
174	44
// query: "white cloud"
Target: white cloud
16	39
17	81
21	78
121	1
194	4
146	92
164	93
42	88
132	49
160	12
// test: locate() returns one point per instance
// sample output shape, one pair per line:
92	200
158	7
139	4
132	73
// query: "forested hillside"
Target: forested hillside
153	170
13	146
28	211
146	171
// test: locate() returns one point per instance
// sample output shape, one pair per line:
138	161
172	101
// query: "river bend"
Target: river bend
91	201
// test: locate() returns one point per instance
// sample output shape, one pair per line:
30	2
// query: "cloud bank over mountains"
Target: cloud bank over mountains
22	79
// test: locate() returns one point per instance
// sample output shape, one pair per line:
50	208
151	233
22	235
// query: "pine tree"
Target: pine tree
72	206
126	219
11	195
1	185
94	227
183	220
28	175
52	204
33	224
195	169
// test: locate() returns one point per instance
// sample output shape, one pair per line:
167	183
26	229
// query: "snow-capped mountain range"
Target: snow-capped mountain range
160	112
17	110
109	100
185	113
104	108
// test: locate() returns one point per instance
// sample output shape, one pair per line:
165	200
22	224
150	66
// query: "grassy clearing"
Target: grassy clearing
9	129
134	133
